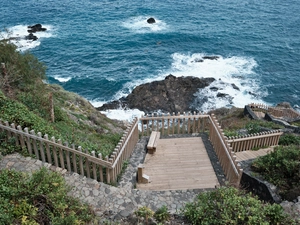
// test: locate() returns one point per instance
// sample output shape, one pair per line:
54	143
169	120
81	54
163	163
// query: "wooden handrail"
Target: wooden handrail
124	145
226	148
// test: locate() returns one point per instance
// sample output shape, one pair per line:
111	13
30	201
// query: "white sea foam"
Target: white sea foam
226	71
122	114
140	25
62	79
19	32
97	103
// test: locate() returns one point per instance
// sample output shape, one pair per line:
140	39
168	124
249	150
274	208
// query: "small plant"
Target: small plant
145	213
230	133
253	127
162	215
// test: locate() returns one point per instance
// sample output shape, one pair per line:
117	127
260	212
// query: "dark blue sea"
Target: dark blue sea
103	49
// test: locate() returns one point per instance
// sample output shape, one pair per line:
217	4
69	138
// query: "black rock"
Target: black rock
151	20
214	57
173	94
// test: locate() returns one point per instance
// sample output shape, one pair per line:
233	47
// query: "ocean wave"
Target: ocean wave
62	79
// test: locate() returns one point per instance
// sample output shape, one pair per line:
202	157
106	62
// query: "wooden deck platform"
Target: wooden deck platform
179	164
245	155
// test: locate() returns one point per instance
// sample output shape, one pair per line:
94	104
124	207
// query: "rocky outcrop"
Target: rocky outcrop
31	37
151	20
173	94
36	28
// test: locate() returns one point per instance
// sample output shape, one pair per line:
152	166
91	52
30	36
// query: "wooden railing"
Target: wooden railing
277	111
224	152
75	160
254	141
168	124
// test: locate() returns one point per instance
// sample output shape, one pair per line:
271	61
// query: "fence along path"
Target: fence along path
72	159
277	111
169	124
259	140
226	156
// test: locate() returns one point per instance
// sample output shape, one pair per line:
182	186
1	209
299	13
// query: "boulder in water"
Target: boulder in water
151	20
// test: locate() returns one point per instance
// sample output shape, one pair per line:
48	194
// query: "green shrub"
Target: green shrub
144	213
39	199
162	215
231	206
254	126
289	139
280	167
230	133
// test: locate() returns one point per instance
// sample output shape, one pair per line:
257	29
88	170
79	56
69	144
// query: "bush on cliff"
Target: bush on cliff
39	199
231	206
282	168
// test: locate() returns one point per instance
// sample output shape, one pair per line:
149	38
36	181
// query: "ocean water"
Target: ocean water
103	49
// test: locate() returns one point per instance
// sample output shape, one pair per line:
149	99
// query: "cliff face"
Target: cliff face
173	94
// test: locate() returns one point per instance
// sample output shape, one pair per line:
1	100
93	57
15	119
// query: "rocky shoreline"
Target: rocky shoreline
173	94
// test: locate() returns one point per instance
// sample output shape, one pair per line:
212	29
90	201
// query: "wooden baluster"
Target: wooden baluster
35	145
54	152
80	162
8	133
100	168
162	125
107	171
67	154
49	159
42	148
178	123
15	135
94	166
87	166
28	142
61	155
168	123
23	146
74	159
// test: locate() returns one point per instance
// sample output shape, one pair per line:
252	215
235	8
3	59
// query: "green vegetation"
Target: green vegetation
162	215
282	168
231	206
144	213
289	139
39	199
24	100
255	126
